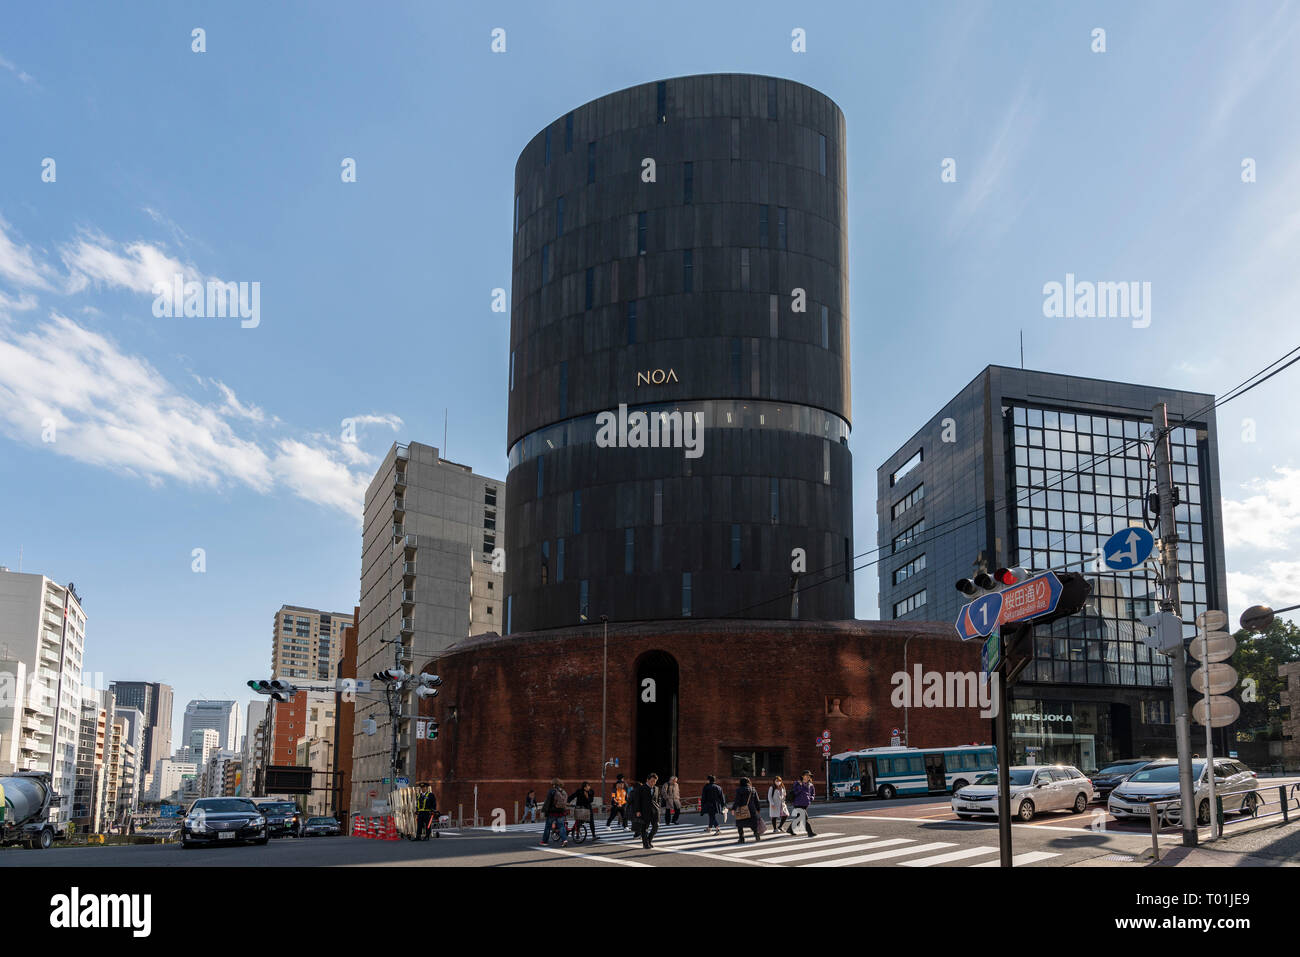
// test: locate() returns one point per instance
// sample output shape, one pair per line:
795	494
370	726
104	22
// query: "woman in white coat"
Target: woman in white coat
776	803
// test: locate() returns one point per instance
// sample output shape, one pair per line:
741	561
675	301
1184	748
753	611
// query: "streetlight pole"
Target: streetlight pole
907	740
604	710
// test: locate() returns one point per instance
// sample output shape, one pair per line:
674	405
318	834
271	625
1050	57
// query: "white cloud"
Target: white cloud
12	68
1267	517
18	264
135	266
117	411
1276	584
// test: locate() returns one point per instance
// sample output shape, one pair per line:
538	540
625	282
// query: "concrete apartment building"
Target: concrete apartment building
430	530
168	779
154	700
306	643
42	640
88	799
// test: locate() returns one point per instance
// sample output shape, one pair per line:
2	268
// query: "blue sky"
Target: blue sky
176	434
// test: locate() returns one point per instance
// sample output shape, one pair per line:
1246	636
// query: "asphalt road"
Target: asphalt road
918	832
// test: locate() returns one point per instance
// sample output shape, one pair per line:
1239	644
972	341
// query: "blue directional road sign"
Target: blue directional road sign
1128	548
978	618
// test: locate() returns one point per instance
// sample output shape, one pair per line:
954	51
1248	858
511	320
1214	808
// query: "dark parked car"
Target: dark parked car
283	819
226	820
1114	774
321	827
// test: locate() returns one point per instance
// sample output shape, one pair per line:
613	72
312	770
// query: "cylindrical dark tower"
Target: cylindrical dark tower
681	249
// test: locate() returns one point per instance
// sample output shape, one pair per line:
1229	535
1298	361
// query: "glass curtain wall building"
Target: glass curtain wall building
1039	471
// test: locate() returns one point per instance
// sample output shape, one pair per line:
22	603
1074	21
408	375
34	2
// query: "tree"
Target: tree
1257	658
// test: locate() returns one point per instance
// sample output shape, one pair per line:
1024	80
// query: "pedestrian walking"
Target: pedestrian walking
582	813
713	803
671	797
747	811
530	807
776	806
554	809
803	792
426	807
618	803
645	807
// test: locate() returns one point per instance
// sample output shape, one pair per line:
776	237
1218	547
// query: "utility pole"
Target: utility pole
1171	602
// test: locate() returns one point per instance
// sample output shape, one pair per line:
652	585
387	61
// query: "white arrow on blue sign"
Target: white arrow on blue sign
1128	548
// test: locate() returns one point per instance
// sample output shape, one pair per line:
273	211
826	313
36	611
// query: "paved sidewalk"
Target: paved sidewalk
1277	845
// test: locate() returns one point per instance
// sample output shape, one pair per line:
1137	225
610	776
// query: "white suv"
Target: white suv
1033	788
1158	781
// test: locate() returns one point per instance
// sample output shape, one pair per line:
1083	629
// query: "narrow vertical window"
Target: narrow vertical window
564	390
826	328
591	162
577	512
559	215
821	161
772	312
568	133
744	269
546	263
735	139
584	612
688	184
826	461
753	367
735	547
848	560
510	609
540	473
661	101
512	371
686	594
659	502
631	322
640	233
780	227
546	563
771	99
589	287
688	270
547	161
774	499
762	225
629	550
559	560
518	198
735	365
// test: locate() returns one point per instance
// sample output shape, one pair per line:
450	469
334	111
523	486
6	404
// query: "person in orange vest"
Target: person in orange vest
618	803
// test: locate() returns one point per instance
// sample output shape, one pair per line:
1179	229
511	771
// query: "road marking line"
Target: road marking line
805	844
831	851
609	858
879	855
1020	859
950	856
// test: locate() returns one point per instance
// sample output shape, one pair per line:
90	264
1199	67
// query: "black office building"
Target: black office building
1038	470
680	250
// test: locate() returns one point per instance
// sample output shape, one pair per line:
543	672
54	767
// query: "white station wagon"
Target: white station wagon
1034	788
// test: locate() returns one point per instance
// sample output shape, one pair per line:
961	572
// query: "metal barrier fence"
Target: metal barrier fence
1283	798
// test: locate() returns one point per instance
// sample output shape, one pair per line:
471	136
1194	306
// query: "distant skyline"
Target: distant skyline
129	441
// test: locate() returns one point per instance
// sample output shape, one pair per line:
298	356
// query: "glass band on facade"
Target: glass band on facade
708	414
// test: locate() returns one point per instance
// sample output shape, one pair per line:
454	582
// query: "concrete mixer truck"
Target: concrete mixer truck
27	797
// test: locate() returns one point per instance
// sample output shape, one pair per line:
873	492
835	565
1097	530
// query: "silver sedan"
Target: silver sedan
1034	788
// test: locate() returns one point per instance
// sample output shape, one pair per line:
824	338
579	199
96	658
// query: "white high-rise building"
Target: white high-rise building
221	716
42	640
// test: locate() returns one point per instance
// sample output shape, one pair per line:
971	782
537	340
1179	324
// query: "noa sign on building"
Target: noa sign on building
656	377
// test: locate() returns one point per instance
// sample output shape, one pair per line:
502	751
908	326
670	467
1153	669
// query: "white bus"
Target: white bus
888	772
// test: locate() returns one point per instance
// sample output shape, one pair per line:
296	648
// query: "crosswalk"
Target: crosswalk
827	849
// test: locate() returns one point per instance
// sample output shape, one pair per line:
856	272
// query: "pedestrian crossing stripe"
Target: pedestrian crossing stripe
779	849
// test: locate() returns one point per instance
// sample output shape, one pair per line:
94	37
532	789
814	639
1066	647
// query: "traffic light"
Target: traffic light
390	675
432	733
281	690
424	691
983	582
1009	576
1075	591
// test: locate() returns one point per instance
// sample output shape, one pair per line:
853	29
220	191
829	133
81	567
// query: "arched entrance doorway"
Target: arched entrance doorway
657	685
